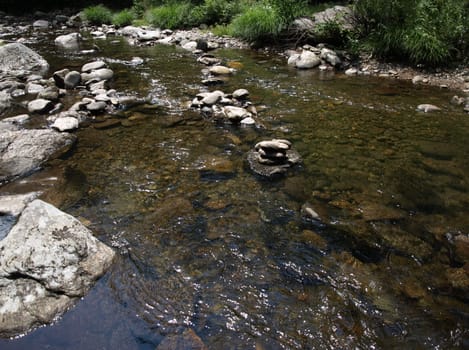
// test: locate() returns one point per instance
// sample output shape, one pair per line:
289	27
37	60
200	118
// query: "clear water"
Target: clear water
205	244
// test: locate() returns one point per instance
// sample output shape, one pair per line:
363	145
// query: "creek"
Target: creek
205	244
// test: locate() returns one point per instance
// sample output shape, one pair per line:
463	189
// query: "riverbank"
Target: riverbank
453	78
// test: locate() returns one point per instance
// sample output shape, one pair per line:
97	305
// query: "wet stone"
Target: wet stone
220	70
240	94
59	77
188	340
97	106
40	106
50	93
72	80
107	124
88	67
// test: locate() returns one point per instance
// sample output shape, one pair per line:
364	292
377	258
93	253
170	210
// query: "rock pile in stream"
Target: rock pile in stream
309	57
234	108
271	158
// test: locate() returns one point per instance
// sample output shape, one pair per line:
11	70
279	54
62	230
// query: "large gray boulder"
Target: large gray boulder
17	59
49	260
24	151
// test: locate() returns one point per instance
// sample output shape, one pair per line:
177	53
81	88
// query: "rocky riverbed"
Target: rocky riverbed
155	147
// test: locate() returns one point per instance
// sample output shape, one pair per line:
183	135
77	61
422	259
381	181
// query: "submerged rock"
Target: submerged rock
187	340
49	260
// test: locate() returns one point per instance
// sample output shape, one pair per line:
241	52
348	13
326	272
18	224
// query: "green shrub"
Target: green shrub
123	18
289	9
421	31
172	15
212	12
97	15
258	23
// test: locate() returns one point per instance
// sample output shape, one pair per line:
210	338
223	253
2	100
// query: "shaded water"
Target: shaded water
205	244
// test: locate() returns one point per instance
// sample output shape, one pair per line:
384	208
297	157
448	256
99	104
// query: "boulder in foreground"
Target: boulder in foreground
48	261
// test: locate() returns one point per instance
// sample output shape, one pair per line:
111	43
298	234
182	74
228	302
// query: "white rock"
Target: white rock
65	124
428	108
40	105
220	70
236	114
351	71
307	60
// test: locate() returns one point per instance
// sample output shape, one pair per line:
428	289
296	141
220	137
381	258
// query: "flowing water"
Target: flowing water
205	244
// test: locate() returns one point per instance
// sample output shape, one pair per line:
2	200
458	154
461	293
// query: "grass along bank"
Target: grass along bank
428	33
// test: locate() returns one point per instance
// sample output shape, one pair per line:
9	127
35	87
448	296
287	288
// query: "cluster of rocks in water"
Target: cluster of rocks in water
270	158
49	259
274	157
23	77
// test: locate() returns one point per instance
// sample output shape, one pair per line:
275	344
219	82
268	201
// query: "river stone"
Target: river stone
249	121
88	67
351	71
275	144
96	106
212	98
272	171
59	77
307	59
330	57
147	35
34	88
65	123
428	108
98	74
72	79
209	60
220	70
130	31
292	58
190	46
17	59
40	105
235	114
50	93
240	94
23	151
68	41
41	24
49	260
18	119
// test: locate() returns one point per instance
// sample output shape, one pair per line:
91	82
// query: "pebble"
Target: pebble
428	108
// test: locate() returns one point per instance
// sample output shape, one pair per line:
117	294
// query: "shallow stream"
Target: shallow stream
205	244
